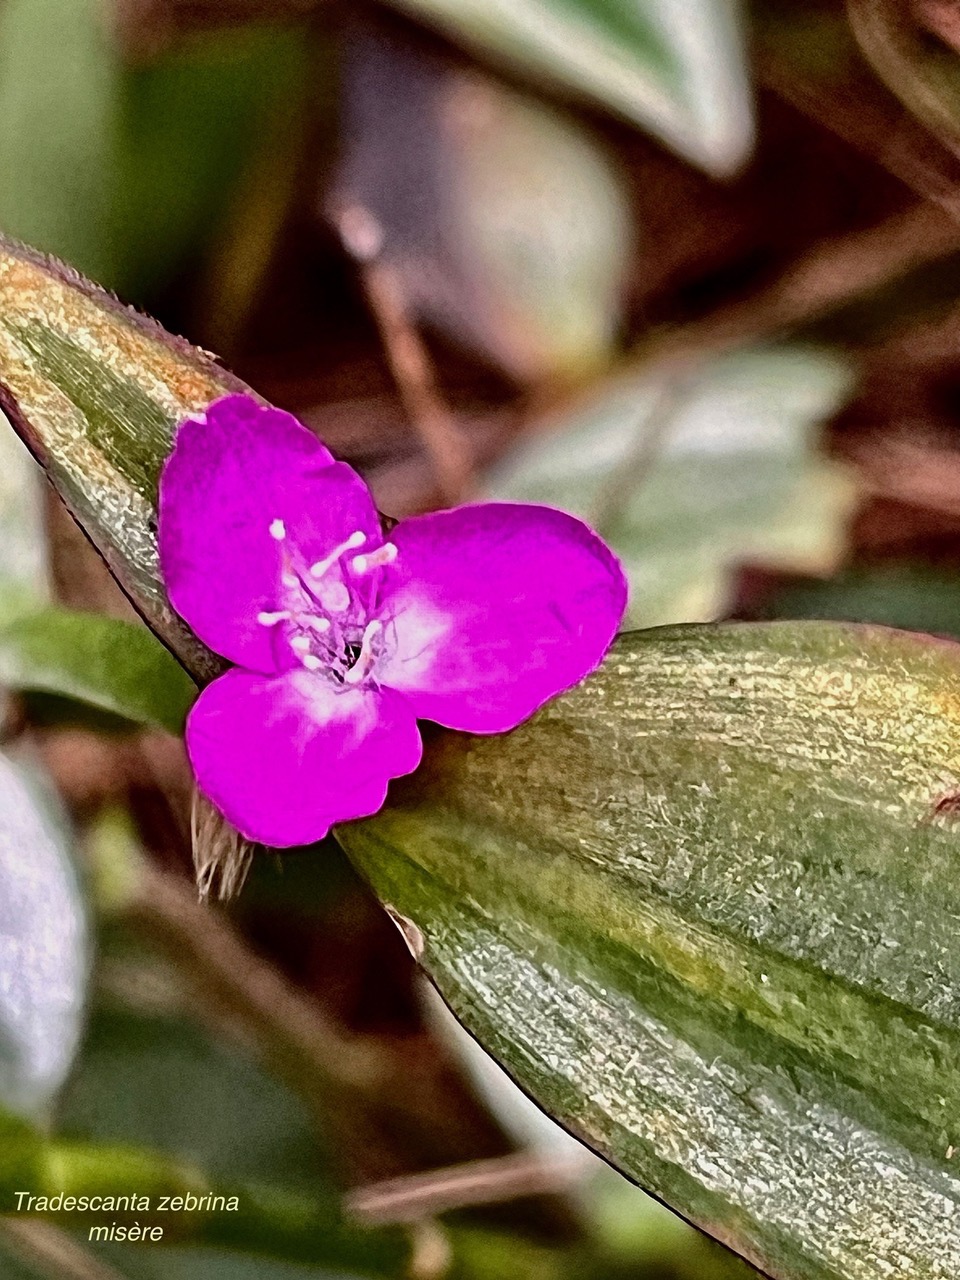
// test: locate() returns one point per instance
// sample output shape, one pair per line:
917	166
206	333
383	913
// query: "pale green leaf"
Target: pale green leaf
731	476
43	944
545	231
678	70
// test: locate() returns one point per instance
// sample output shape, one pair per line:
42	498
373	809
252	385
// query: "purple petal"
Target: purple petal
285	757
496	609
247	493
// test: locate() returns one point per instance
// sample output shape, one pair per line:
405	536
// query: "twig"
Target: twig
895	48
867	116
406	353
834	273
339	1076
942	17
47	1249
919	475
420	1196
248	9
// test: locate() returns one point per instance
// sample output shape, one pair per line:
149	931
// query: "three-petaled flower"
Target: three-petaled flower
343	637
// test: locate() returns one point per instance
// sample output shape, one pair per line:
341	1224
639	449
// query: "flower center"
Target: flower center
325	620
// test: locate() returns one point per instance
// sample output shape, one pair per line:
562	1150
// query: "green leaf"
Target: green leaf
703	908
115	666
638	1236
129	172
95	391
59	131
687	479
191	125
21	1153
306	1226
912	597
545	231
676	70
43	945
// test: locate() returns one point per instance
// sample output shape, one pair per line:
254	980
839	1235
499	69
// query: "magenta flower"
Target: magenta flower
342	637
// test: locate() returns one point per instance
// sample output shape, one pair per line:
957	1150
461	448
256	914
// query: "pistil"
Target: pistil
366	656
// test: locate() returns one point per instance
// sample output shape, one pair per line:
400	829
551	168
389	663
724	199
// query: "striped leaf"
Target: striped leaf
677	70
95	391
704	909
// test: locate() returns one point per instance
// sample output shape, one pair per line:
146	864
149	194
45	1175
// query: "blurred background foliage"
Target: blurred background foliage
689	270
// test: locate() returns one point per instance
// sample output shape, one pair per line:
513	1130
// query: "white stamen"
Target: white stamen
316	623
311	662
365	659
278	530
289	579
270	619
334	596
320	568
301	643
376	559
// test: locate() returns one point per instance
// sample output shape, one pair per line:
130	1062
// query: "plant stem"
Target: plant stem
420	1196
407	355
